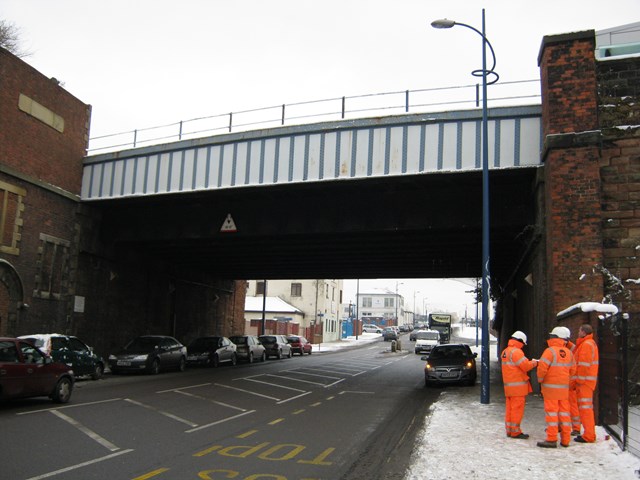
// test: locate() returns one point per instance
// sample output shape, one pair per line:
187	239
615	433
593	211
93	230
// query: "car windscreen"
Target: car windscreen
269	340
428	335
143	344
204	343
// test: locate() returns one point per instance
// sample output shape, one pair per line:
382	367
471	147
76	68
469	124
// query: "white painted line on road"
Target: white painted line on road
354	391
310	374
209	400
247	391
334	383
184	388
339	372
273	384
69	406
293	379
162	412
201	427
89	433
80	465
293	398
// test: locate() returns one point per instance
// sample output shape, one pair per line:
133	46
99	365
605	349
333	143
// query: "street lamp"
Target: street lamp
484	73
414	305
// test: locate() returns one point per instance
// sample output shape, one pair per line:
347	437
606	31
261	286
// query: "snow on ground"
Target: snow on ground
465	439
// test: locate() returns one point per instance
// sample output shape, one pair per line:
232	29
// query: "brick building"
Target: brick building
58	270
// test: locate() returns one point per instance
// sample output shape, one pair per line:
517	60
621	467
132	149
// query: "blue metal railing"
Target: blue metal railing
337	108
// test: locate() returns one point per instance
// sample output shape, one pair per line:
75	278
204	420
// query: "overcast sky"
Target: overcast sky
144	63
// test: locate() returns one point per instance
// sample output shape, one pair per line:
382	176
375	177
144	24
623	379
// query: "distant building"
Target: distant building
318	300
382	307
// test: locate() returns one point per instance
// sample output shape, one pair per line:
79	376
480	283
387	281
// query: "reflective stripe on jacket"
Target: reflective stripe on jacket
555	370
514	370
586	357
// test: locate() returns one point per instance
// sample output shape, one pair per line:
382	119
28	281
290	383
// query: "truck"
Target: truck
442	323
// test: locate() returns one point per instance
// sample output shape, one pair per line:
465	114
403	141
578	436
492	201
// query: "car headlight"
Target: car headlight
428	366
112	357
140	358
469	365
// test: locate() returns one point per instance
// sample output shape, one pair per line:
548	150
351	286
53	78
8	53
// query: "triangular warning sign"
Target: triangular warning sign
228	226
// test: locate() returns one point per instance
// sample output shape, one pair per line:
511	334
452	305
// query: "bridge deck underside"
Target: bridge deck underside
419	226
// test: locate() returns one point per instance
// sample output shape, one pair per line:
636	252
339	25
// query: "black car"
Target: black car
150	354
450	363
211	351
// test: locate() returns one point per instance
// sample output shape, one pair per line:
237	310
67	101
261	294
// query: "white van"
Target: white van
426	340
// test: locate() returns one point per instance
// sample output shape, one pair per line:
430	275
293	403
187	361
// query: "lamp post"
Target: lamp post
484	394
414	305
396	300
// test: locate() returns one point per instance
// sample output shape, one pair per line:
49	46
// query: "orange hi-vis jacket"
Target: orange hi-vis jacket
556	370
587	360
514	370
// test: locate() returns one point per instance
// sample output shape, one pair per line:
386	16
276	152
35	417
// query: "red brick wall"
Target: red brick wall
567	73
572	171
31	146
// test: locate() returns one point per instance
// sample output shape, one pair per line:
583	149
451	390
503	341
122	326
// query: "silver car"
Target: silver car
276	346
211	351
249	348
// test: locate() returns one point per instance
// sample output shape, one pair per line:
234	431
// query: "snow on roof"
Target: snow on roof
590	307
273	304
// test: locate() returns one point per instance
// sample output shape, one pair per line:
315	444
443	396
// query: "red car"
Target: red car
299	345
27	372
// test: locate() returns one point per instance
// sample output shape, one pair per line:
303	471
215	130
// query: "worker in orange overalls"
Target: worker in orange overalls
517	386
581	393
556	368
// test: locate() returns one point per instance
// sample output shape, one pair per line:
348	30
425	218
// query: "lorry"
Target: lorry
442	323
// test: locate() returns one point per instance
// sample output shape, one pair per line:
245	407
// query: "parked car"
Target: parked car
70	350
450	363
150	354
371	328
389	333
211	351
299	344
26	371
414	333
426	340
249	348
276	346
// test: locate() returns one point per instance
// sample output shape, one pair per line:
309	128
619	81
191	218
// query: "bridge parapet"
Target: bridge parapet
408	144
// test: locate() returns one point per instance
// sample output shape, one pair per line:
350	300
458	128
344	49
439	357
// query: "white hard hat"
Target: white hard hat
518	335
561	332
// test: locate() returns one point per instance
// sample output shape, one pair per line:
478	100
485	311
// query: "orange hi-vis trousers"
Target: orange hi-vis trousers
514	411
558	417
582	411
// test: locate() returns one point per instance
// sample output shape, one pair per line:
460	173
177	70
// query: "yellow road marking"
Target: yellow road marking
246	434
316	404
278	420
298	411
151	474
206	451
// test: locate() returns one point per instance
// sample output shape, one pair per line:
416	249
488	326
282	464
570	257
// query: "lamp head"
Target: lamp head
443	23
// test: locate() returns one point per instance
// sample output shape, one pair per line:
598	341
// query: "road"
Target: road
342	415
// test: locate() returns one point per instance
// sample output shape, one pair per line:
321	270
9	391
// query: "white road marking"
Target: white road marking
89	433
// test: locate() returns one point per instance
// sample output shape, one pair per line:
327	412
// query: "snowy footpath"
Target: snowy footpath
463	438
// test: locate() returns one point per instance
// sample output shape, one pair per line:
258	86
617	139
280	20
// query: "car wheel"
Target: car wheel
234	359
250	357
279	355
471	382
290	354
154	369
263	358
182	365
98	371
310	351
215	362
62	392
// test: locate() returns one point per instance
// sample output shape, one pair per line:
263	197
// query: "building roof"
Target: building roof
273	305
